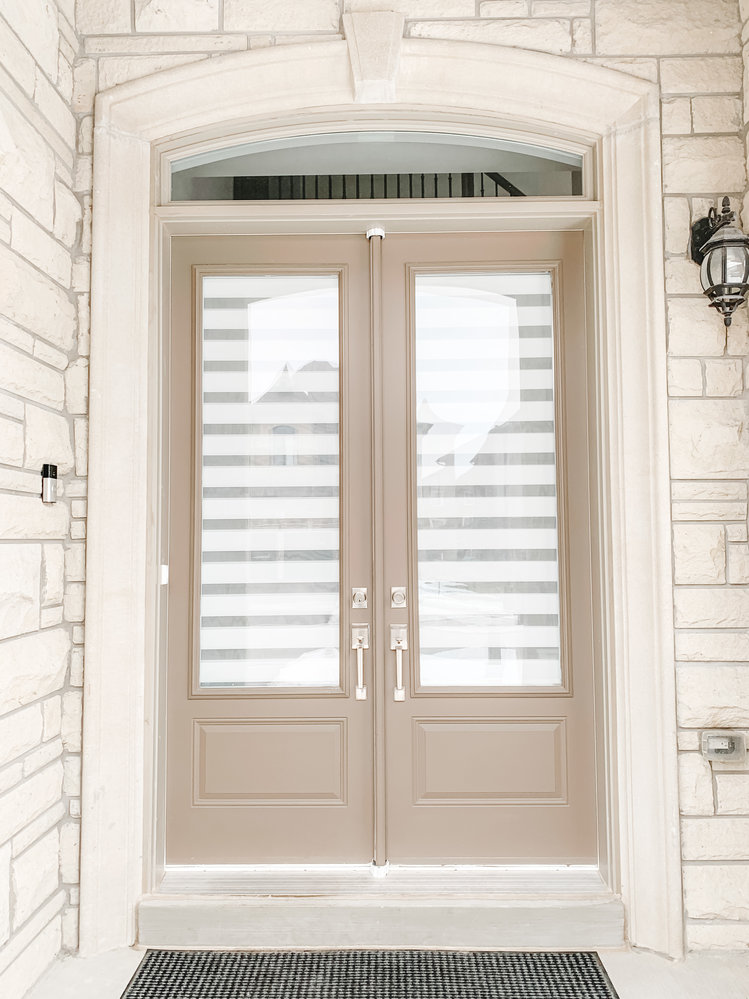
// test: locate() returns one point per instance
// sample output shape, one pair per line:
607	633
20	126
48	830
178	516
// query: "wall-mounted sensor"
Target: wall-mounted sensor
723	746
49	483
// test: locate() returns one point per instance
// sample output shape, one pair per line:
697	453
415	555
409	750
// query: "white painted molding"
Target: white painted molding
435	81
374	39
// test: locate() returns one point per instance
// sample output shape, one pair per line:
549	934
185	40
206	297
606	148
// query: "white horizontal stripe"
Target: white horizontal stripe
313	671
269	572
268	604
288	637
488	506
465	603
486	443
439	672
492	538
474	637
282	507
483	572
271	540
279	476
273	412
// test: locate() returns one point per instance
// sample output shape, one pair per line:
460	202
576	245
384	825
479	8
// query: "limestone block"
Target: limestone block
70	848
717	891
667	27
732	793
27	165
737	341
717	936
78	530
81	447
643	69
11	407
52	713
582	35
29	799
695	785
709	438
713	696
560	8
55	109
715	490
716	114
724	377
119	69
70	928
552	35
76	667
71	720
35	876
35	23
738	564
708	511
681	275
11	442
50	617
65	72
19	65
176	15
71	784
281	15
693	329
53	574
19	733
84	86
707	607
50	355
4	893
488	8
151	44
36	246
107	16
684	376
20	574
41	756
31	963
720	838
75	563
676	116
48	439
34	301
703	164
83	174
33	666
74	602
86	135
712	646
699	553
26	517
687	741
677	221
736	532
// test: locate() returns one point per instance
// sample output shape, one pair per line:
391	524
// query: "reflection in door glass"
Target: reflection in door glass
269	604
486	481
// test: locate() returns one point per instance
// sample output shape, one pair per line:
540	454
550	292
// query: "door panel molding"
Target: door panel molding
488	87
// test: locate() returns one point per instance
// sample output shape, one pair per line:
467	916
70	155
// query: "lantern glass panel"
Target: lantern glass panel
706	270
736	265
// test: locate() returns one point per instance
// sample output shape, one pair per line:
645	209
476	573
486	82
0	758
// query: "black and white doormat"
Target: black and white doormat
369	974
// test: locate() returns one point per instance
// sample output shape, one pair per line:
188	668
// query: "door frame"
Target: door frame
139	127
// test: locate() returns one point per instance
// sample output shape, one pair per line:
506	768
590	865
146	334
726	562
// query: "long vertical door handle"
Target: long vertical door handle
399	644
360	642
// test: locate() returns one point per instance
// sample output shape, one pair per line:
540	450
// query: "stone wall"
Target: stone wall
43	389
691	48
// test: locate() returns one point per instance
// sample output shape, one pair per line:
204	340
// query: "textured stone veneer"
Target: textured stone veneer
53	60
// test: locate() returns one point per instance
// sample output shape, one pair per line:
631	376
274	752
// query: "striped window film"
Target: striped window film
488	570
269	588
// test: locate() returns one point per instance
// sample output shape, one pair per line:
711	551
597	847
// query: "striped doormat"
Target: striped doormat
369	974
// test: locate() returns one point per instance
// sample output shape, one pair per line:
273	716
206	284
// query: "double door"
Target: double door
379	625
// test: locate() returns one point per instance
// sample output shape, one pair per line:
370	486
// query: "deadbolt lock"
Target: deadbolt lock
359	597
398	596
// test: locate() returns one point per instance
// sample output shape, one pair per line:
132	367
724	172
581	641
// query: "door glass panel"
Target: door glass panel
486	481
269	588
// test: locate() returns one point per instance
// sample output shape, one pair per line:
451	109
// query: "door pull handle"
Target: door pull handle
399	644
360	642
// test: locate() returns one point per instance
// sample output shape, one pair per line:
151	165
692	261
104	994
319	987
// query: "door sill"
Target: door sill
290	906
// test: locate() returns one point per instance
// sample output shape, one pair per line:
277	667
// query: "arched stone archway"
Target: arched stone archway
376	74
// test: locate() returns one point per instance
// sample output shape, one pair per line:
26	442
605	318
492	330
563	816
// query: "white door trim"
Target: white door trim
514	89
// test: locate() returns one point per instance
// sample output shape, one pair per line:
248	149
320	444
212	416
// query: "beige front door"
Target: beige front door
380	639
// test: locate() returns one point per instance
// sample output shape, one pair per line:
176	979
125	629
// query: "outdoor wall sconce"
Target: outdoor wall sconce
722	251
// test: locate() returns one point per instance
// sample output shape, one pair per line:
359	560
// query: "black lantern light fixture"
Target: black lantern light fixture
722	251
